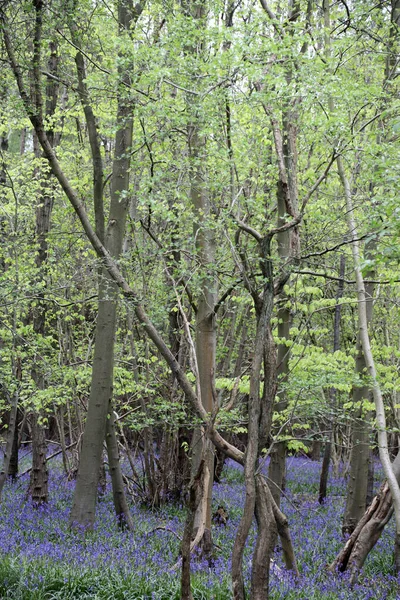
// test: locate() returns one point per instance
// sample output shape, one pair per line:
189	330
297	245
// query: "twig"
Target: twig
162	528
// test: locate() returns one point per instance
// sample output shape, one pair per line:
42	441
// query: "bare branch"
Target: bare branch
253	232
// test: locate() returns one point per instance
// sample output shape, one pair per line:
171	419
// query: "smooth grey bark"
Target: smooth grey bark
356	500
120	503
206	330
99	417
360	453
370	363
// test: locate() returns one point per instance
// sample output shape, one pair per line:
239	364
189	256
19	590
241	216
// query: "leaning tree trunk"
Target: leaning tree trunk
384	455
370	363
368	530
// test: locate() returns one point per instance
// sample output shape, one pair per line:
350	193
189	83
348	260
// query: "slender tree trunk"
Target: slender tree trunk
371	476
12	432
13	465
356	501
60	426
120	504
206	330
38	487
84	505
277	465
332	393
288	248
242	334
369	359
196	496
359	456
258	499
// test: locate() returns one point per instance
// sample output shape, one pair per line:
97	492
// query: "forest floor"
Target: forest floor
42	559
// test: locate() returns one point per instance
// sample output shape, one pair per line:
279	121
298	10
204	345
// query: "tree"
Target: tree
222	141
100	418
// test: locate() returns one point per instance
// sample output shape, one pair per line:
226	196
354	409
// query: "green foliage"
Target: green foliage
260	79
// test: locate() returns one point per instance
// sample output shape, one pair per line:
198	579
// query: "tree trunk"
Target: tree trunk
38	487
39	480
196	496
120	504
359	458
206	329
332	393
362	314
285	139
259	500
356	501
13	466
266	537
12	435
84	505
369	359
368	530
243	331
371	475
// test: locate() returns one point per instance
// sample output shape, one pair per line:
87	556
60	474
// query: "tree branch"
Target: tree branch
108	261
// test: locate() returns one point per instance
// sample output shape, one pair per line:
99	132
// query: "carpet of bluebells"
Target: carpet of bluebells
42	559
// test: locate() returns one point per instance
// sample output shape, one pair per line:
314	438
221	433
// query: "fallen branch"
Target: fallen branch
162	528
